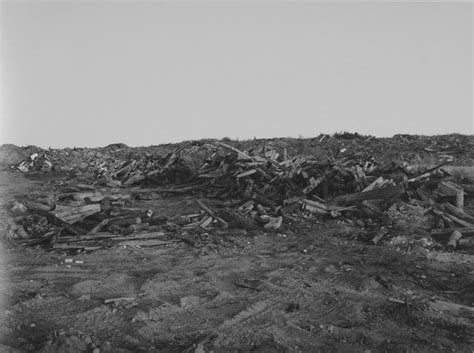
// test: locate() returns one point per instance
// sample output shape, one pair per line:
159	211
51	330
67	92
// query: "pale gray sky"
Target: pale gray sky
89	74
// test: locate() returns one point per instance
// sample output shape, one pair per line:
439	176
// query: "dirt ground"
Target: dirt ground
311	287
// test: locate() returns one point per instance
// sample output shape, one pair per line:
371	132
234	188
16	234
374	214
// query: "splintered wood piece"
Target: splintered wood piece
35	206
80	196
246	173
459	221
76	247
466	243
385	193
274	223
223	223
314	209
314	183
184	189
213	214
85	187
205	208
450	219
124	220
316	204
427	173
263	200
206	222
285	154
452	309
146	243
74	214
60	223
115	300
260	210
466	231
453	240
449	188
374	184
239	152
379	236
99	227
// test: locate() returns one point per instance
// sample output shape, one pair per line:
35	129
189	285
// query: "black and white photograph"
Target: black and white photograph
236	176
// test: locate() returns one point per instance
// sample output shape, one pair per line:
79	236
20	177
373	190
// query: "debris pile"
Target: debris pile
38	162
263	188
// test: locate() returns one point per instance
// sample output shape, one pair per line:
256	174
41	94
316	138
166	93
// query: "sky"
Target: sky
77	74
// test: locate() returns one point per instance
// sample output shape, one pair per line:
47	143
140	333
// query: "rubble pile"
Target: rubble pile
400	148
263	188
38	162
410	149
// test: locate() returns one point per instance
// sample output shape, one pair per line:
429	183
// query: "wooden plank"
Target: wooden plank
146	243
379	236
72	214
466	243
35	206
465	231
239	153
80	196
125	220
183	190
449	188
115	300
112	236
76	247
314	209
374	184
246	173
385	193
79	238
314	183
99	227
206	222
458	212
452	309
315	204
427	173
285	154
454	219
453	240
85	187
60	223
